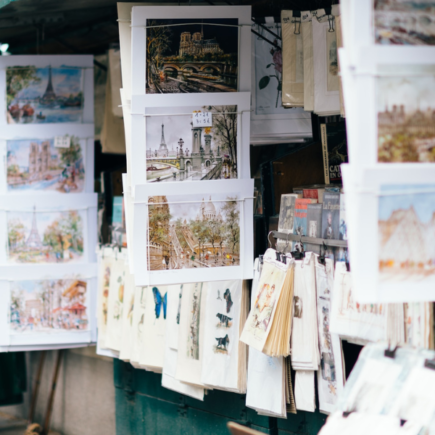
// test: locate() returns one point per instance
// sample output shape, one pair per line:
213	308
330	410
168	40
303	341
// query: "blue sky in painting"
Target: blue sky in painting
27	286
423	203
65	81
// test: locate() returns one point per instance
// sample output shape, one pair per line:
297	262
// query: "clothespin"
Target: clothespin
390	353
430	364
321	258
347	413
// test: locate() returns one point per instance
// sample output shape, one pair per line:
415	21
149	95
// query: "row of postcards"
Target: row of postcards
48	213
387	67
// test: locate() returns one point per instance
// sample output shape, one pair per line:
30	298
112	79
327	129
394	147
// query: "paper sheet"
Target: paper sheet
127	316
307	44
305	391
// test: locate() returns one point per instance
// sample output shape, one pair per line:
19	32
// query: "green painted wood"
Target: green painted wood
143	406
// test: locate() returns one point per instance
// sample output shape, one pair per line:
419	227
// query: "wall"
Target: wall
143	406
85	396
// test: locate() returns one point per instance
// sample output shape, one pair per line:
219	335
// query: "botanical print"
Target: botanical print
189	58
333	82
404	22
178	151
268	71
118	300
199	233
406	118
45	237
36	164
105	297
48	306
406	223
194	322
40	95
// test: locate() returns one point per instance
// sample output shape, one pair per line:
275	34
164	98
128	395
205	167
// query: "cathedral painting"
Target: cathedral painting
406	232
38	165
406	117
48	306
45	237
178	151
40	95
191	55
201	233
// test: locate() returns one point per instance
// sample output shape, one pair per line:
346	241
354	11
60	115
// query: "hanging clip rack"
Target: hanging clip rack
274	44
310	240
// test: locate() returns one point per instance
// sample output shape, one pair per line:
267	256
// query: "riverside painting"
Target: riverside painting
44	95
36	164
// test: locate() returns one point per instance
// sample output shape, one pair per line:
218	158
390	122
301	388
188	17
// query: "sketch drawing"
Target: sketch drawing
406	225
194	324
178	151
196	234
45	237
190	58
40	95
406	118
38	165
222	343
48	306
224	321
404	22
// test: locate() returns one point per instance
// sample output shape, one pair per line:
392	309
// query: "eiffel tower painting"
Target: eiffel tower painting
49	94
34	240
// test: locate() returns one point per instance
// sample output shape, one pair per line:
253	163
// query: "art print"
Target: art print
405	224
44	95
192	55
405	117
178	151
193	344
333	81
48	306
45	237
36	164
199	233
399	22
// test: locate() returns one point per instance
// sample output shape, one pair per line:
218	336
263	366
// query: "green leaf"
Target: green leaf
263	82
270	64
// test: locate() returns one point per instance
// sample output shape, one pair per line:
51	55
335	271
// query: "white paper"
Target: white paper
304	390
127	315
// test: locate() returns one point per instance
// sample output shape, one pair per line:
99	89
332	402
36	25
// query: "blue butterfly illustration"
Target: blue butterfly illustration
159	301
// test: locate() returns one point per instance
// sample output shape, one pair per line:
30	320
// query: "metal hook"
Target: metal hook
286	245
268	238
331	21
297	22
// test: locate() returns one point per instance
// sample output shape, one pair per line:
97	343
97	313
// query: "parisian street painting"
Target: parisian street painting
40	95
35	164
45	237
178	151
201	233
48	306
404	22
407	233
192	55
406	118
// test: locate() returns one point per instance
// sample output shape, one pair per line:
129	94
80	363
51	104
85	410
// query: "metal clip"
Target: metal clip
391	353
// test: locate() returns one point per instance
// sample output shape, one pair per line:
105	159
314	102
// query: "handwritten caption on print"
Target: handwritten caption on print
62	141
202	119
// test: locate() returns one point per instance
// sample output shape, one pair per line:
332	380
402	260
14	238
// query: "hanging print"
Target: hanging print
44	95
189	58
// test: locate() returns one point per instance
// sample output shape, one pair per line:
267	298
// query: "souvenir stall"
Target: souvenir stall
261	260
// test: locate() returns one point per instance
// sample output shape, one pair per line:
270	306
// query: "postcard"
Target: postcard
393	260
47	89
179	50
36	231
43	306
174	150
193	236
34	162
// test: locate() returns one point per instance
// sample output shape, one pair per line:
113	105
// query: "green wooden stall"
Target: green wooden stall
143	406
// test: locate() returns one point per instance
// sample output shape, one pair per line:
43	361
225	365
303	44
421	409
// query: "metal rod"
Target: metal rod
311	240
46	429
36	386
267	40
266	29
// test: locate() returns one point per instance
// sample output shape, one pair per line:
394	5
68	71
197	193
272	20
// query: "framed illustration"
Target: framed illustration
175	150
33	162
47	89
195	235
393	259
396	100
270	122
178	49
43	306
36	231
